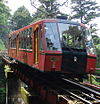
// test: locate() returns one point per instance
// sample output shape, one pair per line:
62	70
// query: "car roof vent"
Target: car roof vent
62	17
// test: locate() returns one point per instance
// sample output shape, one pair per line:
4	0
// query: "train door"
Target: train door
36	45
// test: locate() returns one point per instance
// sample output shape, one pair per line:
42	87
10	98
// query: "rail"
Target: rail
97	68
3	52
92	85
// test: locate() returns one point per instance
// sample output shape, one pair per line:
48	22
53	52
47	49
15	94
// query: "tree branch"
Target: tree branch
64	3
32	3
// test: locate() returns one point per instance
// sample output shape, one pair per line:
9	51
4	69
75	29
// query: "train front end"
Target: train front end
72	47
78	54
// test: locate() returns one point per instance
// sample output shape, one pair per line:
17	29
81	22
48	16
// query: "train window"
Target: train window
71	36
88	41
9	42
29	38
20	40
52	36
25	39
13	41
41	43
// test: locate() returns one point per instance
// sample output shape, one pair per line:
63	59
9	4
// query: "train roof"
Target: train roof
48	20
61	21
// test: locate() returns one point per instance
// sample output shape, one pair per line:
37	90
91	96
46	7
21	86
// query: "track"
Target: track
64	87
83	93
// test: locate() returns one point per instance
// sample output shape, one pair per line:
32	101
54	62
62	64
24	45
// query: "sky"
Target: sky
15	4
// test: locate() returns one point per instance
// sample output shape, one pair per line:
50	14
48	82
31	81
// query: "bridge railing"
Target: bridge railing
3	52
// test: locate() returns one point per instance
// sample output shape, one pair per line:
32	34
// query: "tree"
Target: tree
85	10
4	17
47	9
21	18
98	55
96	40
2	46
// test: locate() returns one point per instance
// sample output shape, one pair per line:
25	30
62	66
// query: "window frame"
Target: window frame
59	49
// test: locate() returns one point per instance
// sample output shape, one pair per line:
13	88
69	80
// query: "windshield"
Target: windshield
68	36
71	36
88	42
52	36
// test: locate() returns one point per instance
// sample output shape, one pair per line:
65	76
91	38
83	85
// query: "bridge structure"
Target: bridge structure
28	85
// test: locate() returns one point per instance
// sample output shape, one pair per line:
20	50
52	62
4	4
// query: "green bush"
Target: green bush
2	46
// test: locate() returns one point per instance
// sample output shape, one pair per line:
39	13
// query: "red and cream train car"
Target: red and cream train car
54	45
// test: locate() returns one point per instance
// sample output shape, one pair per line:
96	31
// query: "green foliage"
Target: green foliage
21	18
4	17
39	15
98	55
47	9
93	80
2	95
2	46
51	7
85	10
96	40
7	69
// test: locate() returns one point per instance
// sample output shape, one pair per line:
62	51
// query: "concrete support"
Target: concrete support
13	95
15	91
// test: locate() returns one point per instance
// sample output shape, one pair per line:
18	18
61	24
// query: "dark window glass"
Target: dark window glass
89	42
20	40
71	36
25	39
29	38
13	41
9	42
52	36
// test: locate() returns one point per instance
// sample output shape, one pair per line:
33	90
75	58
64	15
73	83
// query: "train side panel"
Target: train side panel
91	64
53	62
